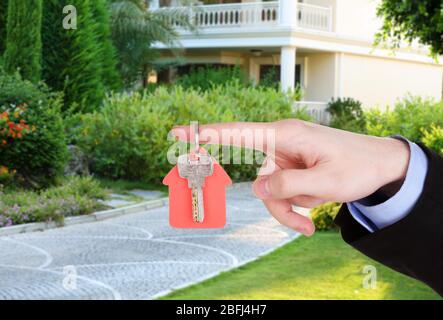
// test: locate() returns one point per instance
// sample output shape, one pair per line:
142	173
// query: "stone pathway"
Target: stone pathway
121	200
136	256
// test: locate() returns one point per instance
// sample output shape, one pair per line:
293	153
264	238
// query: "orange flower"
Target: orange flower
4	142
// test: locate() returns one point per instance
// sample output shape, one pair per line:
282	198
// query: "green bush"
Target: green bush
323	216
433	138
205	78
127	138
39	156
269	79
408	118
75	196
347	114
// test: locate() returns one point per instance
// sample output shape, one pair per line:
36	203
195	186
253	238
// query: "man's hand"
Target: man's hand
315	164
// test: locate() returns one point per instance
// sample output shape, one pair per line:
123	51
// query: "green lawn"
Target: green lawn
320	267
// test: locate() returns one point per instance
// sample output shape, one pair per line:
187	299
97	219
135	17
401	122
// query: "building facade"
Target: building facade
326	46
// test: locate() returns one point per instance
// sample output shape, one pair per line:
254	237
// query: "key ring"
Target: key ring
194	129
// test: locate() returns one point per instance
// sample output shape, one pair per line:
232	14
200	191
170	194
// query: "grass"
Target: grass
320	267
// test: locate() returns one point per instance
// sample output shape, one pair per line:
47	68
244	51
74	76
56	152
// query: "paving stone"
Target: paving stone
134	256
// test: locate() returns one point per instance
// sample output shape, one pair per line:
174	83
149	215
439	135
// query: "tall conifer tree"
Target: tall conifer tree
3	14
23	39
72	58
108	53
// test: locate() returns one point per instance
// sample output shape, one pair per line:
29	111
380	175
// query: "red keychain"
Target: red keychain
197	190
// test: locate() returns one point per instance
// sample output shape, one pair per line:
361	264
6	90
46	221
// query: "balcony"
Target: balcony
258	15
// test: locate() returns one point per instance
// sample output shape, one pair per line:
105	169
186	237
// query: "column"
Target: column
288	13
287	68
254	71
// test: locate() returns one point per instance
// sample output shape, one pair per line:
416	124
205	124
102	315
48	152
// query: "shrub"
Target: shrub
23	41
127	138
347	114
408	118
269	79
433	138
39	155
323	216
205	78
75	196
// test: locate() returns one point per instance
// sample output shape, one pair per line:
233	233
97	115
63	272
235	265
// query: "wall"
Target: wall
357	18
377	81
320	77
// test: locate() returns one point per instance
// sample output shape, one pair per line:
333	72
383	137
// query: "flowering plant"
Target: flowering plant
12	124
12	127
32	139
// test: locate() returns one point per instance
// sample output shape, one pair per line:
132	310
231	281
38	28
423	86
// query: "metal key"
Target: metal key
195	171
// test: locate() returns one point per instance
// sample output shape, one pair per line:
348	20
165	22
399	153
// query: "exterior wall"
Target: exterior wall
380	82
320	77
356	18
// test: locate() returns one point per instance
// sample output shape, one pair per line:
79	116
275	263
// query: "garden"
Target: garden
86	90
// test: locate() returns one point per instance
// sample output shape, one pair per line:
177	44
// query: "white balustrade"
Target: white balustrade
317	110
236	15
314	17
255	14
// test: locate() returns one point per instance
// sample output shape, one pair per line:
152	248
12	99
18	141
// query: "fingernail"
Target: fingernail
261	189
307	231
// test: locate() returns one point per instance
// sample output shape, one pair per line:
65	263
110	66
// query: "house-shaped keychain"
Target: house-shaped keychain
214	199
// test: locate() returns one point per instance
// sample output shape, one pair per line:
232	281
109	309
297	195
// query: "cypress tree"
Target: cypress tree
23	39
110	75
3	14
71	58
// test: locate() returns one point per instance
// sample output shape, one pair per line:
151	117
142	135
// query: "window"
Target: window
272	72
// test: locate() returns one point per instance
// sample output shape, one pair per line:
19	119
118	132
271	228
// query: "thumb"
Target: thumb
288	183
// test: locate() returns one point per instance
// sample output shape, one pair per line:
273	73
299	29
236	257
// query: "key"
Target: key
195	171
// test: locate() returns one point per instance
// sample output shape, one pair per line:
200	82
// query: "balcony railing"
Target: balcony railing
317	110
237	15
314	17
256	14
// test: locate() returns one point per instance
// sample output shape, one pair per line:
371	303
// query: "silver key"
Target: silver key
196	171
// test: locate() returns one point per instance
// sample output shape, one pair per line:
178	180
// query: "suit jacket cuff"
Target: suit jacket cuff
410	245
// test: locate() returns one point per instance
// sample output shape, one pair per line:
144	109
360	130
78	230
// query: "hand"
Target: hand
315	164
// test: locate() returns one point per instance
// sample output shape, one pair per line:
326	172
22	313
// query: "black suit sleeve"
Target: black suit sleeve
413	245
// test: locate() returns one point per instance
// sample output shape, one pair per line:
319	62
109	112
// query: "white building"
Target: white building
325	45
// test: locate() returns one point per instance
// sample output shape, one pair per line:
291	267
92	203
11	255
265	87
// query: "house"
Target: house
325	46
214	199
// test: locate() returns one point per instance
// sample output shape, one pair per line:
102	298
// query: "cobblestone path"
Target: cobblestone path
136	256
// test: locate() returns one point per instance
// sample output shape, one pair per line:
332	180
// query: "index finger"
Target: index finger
251	135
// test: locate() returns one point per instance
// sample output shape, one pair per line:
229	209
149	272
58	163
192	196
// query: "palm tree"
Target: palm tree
135	30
